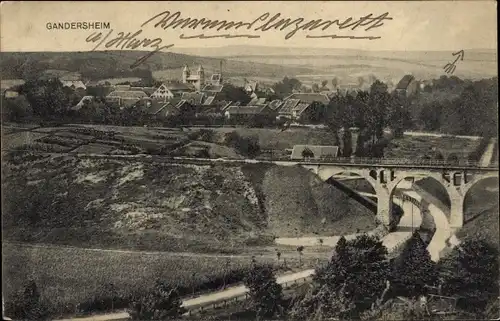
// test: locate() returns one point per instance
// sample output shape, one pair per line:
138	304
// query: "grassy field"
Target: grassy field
277	139
417	147
104	139
68	276
94	139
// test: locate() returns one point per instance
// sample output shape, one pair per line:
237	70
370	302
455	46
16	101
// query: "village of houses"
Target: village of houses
198	94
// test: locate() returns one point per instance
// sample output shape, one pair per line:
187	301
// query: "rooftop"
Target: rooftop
194	98
405	82
310	97
9	83
300	107
288	105
245	110
128	94
177	86
213	88
209	100
275	104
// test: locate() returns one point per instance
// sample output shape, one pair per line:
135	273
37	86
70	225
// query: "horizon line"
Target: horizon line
276	47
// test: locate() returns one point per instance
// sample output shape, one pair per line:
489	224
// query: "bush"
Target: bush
266	295
246	146
106	298
161	303
413	270
471	272
27	304
349	284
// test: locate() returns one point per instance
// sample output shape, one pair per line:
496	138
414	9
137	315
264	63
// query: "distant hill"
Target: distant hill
349	64
248	50
108	64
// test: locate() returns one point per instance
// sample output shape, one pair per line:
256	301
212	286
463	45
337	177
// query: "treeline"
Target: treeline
450	105
459	107
371	112
100	65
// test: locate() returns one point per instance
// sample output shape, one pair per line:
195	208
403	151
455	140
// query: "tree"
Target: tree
335	82
286	86
278	255
161	303
247	146
233	93
266	295
307	153
16	109
27	304
349	284
315	88
48	97
471	272
324	83
300	249
413	270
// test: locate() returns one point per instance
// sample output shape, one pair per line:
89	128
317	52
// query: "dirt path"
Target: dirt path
268	252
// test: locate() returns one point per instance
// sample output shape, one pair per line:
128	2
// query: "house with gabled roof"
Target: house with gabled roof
82	102
306	107
287	107
75	84
170	90
251	87
173	107
10	87
126	98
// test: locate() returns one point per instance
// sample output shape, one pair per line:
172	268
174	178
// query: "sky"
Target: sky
415	25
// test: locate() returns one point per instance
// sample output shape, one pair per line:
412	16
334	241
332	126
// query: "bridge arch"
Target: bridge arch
435	190
356	180
479	195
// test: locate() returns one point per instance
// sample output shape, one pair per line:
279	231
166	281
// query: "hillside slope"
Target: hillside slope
169	207
108	64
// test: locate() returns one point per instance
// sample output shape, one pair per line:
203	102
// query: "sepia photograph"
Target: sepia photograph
249	160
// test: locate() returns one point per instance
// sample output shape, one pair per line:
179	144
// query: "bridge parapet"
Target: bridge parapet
385	161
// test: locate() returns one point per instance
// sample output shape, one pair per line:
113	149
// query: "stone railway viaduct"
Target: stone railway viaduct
456	179
383	175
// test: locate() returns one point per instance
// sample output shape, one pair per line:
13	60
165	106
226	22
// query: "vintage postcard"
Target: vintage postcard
262	160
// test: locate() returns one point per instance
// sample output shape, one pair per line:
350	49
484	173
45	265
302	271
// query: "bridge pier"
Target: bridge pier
456	208
384	207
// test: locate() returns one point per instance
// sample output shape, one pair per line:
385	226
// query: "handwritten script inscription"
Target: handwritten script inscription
449	68
265	22
251	28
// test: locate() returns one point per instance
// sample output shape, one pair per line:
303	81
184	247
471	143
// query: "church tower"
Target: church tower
185	74
201	77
